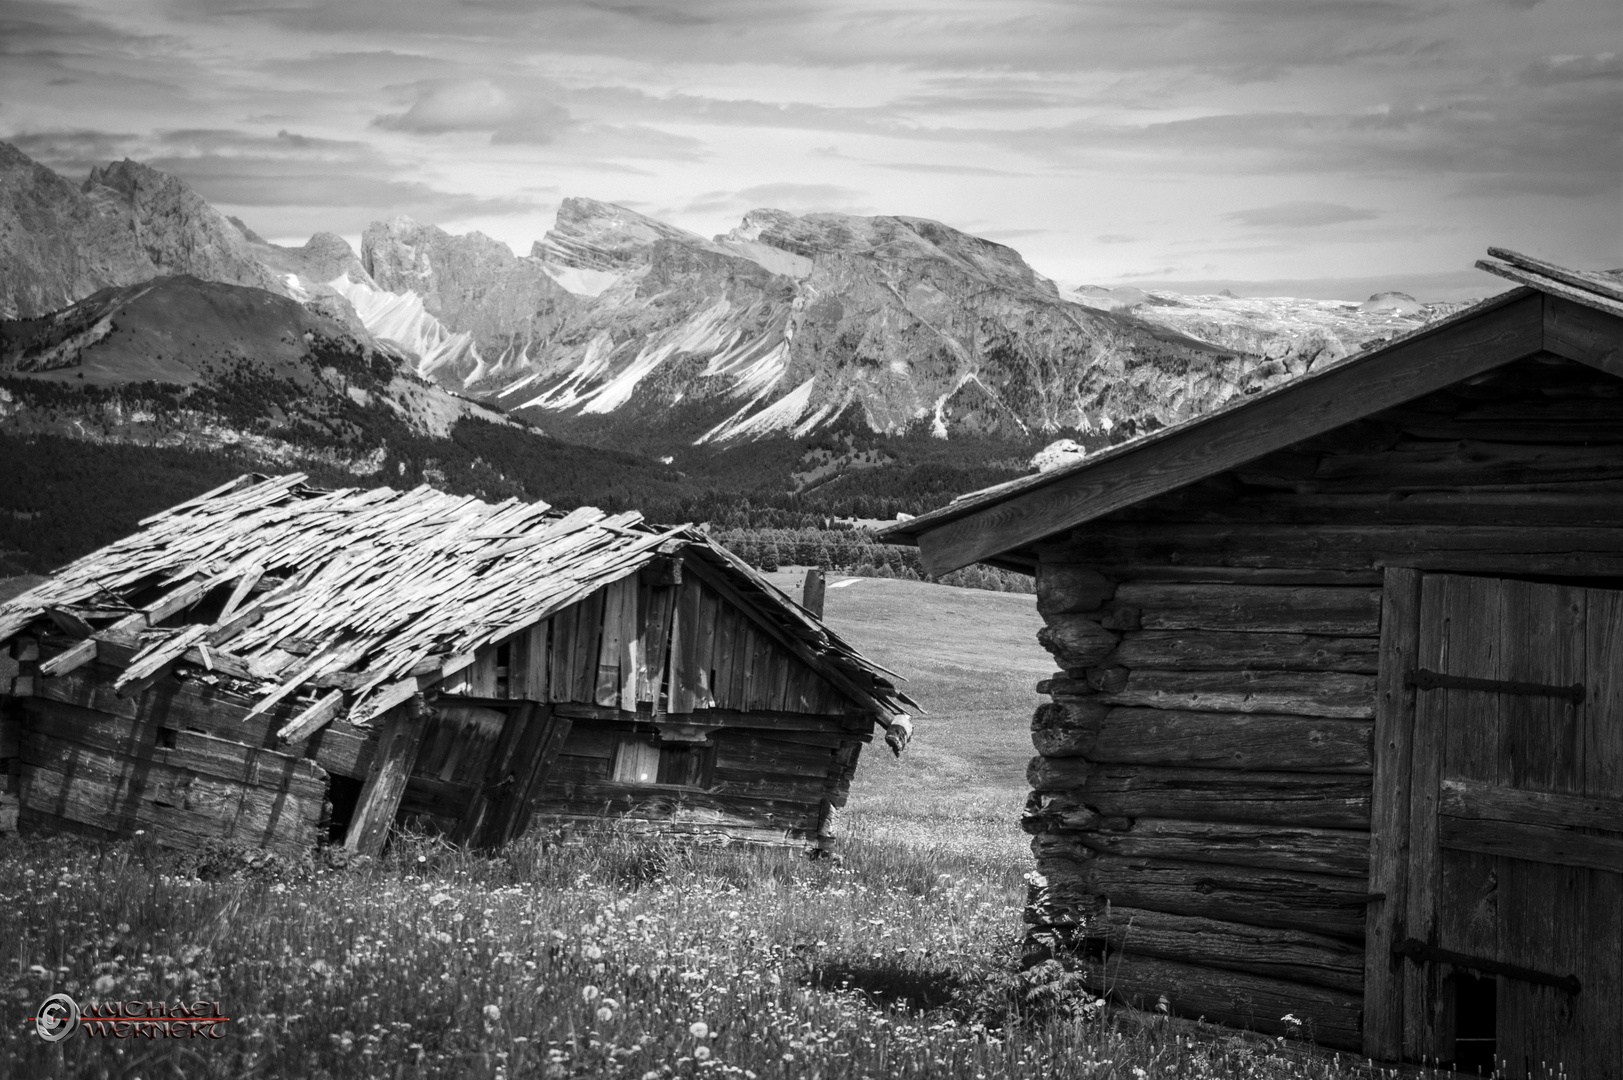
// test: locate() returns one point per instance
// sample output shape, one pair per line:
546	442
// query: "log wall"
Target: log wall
1201	797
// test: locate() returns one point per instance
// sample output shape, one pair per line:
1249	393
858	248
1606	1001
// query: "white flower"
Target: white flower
492	1013
699	1029
605	1014
589	992
701	1052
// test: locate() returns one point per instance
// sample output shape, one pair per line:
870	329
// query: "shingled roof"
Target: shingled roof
1576	314
369	595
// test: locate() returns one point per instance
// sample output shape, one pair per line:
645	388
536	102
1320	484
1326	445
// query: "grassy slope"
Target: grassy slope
600	955
971	659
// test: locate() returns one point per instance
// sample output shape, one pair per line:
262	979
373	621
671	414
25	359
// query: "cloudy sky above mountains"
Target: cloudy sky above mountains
1111	141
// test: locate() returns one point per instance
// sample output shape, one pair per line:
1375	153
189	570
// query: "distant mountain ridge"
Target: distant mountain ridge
617	323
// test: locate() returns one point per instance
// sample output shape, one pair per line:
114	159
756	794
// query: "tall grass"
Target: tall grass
603	953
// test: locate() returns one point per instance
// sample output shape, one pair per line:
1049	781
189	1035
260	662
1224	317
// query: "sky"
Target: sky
1308	147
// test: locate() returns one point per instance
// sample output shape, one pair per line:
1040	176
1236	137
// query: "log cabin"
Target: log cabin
1337	744
272	664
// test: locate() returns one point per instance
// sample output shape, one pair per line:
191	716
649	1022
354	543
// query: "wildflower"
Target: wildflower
105	984
605	1014
699	1029
492	1013
701	1052
589	992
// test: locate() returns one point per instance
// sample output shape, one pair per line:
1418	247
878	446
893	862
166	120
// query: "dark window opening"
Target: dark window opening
166	738
644	761
1476	1003
343	793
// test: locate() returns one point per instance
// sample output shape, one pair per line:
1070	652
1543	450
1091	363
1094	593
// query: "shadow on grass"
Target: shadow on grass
891	987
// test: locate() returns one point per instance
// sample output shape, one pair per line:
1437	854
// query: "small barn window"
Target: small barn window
642	761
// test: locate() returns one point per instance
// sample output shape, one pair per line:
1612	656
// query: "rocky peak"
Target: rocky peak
592	235
179	231
888	238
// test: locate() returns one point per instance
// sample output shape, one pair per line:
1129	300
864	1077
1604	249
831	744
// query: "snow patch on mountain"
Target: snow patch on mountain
401	320
582	281
782	415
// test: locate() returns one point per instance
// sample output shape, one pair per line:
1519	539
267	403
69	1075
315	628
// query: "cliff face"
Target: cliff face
125	224
786	324
508	306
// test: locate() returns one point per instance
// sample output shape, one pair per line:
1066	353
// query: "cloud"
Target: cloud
74	153
945	170
443	106
1555	70
1299	215
1114	238
793	197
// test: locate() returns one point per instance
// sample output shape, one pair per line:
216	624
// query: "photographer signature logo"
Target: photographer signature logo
57	1018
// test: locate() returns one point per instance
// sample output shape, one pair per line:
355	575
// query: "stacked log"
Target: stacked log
1201	792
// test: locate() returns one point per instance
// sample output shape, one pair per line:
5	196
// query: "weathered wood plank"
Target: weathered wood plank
560	664
55	726
176	806
1292	955
402	734
1317	903
1532	843
1315	799
685	686
1206	650
1469	799
534	684
1341	852
1393	751
546	733
1421	987
1329	1017
1266	741
1325	694
1602	968
1291	609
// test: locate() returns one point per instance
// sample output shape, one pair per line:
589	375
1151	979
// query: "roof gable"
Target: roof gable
1577	321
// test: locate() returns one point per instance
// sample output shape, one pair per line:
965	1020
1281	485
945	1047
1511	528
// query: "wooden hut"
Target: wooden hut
278	665
1339	734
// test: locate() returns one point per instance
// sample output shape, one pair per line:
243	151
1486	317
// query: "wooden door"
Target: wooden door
1504	941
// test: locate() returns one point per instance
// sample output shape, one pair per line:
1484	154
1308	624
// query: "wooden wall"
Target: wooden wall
640	645
181	760
638	657
1205	764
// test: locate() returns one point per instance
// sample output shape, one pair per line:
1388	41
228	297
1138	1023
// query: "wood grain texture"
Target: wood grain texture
1316	903
1327	694
1340	852
1315	799
1378	379
1219	740
1206	650
1329	1017
1288	609
1291	955
1393	749
380	796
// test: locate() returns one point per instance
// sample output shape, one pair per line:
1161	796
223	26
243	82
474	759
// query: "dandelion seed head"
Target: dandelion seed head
701	1052
492	1013
589	992
699	1029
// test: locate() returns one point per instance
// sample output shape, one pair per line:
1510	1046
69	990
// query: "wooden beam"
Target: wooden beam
76	656
391	769
1389	814
1506	330
1532	843
1579	332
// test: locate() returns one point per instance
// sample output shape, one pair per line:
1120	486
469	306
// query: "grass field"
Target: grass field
615	954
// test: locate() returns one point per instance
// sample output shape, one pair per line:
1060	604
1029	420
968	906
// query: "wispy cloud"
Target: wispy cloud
1299	215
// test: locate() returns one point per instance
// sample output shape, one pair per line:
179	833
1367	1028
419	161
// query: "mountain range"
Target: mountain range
880	363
